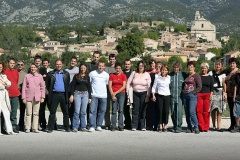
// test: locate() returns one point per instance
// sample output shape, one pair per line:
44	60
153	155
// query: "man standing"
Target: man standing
126	110
42	119
58	86
13	77
99	81
95	59
72	70
20	66
109	70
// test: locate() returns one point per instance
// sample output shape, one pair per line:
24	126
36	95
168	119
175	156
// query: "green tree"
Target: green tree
84	56
146	58
131	44
66	57
103	59
216	51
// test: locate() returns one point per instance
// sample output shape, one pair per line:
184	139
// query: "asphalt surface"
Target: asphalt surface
120	145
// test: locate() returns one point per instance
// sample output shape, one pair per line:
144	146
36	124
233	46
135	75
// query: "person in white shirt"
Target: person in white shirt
99	81
161	87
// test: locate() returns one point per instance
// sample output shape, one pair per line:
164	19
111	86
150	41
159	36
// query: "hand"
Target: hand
71	99
210	98
89	100
42	100
154	99
24	101
234	98
224	96
113	94
147	99
44	75
114	98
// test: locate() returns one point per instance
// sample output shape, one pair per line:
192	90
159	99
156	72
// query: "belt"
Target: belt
59	92
80	92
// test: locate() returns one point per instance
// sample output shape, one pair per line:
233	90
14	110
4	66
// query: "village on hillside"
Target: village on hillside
191	45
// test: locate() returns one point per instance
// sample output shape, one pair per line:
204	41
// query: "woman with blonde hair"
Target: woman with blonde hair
204	99
218	104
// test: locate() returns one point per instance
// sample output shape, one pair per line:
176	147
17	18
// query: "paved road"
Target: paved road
120	145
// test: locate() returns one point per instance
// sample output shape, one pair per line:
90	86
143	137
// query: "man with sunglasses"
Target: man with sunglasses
22	73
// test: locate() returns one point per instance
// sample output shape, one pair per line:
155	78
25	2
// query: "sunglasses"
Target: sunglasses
20	64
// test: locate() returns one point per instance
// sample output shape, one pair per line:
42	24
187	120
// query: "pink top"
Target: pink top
139	82
33	87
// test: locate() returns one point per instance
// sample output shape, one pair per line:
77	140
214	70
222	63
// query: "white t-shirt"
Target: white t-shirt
99	81
161	85
72	72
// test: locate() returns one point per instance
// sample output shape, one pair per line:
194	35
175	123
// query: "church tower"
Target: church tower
197	15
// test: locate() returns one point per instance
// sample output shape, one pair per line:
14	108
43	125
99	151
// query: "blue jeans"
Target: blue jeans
190	104
118	105
80	107
97	111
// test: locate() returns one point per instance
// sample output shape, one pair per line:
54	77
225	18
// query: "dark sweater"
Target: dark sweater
207	84
192	84
82	84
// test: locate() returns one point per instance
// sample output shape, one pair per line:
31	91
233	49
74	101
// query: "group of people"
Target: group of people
87	93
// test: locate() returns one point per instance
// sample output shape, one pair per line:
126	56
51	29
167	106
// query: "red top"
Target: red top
13	76
117	81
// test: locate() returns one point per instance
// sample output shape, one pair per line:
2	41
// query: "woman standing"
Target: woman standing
5	106
81	94
117	85
204	99
140	81
219	95
192	85
161	87
33	92
229	80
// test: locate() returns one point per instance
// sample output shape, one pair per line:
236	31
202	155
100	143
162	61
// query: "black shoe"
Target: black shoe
165	130
107	128
15	130
188	131
67	130
21	129
235	130
177	131
219	130
196	131
121	129
230	129
49	131
113	129
55	126
160	130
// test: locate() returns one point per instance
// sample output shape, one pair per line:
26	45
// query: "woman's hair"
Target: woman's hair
144	65
177	64
204	64
79	75
231	60
118	64
151	61
165	67
219	62
4	67
191	63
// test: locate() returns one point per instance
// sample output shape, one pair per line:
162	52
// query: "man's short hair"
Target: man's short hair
112	55
37	57
11	59
96	52
74	57
126	60
46	59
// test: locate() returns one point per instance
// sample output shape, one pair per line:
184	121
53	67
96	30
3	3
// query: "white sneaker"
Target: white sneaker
99	129
12	133
27	131
91	129
1	134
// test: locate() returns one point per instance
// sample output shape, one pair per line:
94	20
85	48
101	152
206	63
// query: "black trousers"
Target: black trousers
163	103
127	115
56	99
71	111
139	110
42	119
231	105
22	113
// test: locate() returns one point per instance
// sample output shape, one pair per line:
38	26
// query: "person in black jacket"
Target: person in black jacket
58	85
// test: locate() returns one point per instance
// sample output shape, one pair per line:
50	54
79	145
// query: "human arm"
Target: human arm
154	89
24	89
129	81
148	87
211	88
124	80
198	82
42	89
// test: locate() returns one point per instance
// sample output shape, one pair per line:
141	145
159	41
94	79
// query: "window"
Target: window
202	25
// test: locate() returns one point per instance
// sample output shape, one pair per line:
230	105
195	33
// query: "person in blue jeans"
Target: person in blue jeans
117	85
81	95
192	85
99	81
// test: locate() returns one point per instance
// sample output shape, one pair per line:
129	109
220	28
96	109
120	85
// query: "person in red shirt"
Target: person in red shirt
117	85
13	76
